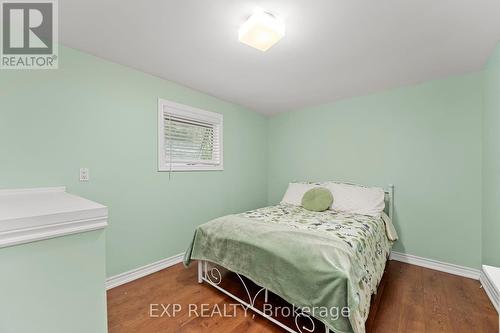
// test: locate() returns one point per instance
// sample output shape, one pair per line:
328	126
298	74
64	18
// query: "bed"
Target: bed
327	264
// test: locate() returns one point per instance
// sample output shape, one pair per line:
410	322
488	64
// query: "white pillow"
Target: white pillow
357	199
295	192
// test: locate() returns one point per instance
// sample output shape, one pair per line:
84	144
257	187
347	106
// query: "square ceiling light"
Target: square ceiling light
262	30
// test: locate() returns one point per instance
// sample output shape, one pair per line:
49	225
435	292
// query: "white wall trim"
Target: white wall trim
34	214
490	289
437	265
137	273
33	190
28	235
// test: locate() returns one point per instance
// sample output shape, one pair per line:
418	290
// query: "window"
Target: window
188	138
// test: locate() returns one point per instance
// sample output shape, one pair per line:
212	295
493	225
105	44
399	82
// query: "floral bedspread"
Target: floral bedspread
365	235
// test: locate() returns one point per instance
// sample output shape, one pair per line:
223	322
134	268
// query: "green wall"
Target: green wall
491	161
97	114
424	139
54	286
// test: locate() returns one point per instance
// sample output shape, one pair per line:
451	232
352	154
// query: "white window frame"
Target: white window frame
193	113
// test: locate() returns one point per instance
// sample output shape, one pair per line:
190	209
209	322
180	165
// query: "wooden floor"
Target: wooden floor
410	299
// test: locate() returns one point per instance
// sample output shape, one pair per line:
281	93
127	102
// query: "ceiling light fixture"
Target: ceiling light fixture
262	30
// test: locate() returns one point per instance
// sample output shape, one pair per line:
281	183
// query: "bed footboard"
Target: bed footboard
213	276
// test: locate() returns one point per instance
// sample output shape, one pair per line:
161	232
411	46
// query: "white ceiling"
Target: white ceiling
333	49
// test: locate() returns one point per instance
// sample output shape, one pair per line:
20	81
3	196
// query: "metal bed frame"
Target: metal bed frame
213	276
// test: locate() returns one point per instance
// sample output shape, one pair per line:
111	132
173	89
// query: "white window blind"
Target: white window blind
189	138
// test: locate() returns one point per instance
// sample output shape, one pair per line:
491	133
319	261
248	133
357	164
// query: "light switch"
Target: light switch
84	175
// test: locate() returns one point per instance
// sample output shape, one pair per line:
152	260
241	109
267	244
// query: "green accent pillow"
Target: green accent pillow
317	199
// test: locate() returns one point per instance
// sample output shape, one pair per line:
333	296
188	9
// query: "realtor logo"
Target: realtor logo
29	34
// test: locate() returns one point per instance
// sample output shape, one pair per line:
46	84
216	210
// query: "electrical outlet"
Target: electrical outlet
84	175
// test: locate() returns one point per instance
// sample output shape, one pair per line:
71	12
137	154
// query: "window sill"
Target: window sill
191	168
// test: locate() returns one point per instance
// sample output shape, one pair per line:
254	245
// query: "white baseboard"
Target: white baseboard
437	265
492	292
472	273
117	280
